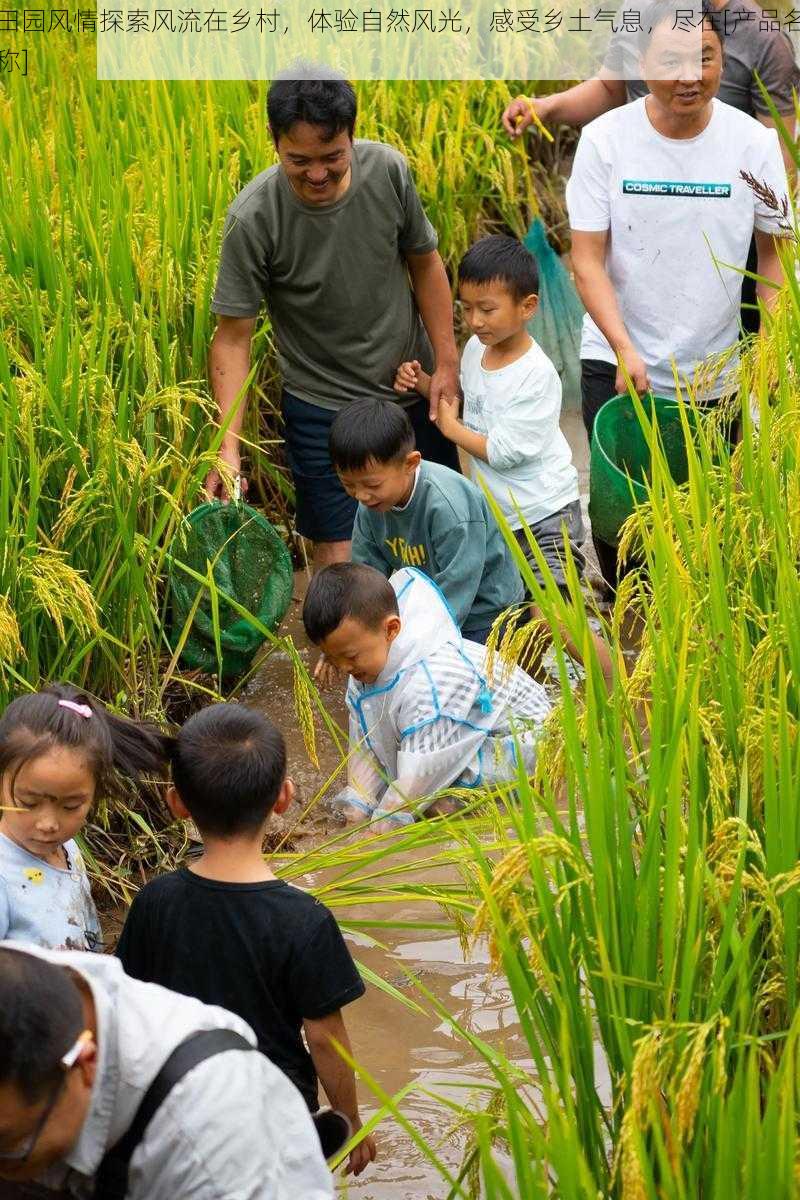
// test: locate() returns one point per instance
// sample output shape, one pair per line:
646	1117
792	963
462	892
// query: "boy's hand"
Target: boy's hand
410	377
326	675
406	376
442	384
447	417
361	1155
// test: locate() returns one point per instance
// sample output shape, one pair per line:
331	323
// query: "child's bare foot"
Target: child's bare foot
390	821
444	806
348	808
352	815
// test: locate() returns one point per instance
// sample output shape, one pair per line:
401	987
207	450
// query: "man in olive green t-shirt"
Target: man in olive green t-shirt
335	241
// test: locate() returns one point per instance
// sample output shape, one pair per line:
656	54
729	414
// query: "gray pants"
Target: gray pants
549	536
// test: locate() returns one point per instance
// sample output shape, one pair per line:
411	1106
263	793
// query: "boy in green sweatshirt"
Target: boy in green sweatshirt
420	514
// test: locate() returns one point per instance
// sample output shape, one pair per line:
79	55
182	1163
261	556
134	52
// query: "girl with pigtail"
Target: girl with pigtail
59	749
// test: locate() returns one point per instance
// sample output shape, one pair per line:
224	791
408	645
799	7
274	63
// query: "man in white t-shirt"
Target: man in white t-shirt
661	220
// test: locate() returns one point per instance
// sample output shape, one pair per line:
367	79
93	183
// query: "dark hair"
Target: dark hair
228	766
328	103
347	590
113	746
369	430
504	260
41	1015
657	12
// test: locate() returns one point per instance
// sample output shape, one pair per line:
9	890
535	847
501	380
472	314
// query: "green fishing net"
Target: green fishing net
556	324
249	563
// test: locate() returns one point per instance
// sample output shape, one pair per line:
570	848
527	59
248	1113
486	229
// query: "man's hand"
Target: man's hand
444	384
634	365
518	116
215	485
361	1155
326	675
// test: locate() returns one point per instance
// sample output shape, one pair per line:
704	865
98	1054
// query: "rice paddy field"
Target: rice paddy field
638	899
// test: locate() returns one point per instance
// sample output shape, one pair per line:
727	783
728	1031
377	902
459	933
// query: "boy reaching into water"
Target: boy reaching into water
227	931
423	715
512	402
420	514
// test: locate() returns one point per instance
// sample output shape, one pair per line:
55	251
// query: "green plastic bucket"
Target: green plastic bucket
251	564
620	461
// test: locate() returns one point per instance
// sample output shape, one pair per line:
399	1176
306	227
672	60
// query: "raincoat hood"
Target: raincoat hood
427	622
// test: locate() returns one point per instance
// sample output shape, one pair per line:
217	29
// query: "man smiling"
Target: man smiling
335	240
662	215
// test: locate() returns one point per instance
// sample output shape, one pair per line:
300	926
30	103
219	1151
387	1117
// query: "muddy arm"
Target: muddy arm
338	1080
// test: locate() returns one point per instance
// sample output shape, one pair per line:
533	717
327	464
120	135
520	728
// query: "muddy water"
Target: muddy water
397	1045
393	1043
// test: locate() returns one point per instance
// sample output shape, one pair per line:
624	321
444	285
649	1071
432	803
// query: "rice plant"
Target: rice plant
107	267
645	908
641	893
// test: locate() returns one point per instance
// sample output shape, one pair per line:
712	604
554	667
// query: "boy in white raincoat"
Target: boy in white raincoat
423	714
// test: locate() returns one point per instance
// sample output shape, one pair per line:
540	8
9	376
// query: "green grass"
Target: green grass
644	909
106	274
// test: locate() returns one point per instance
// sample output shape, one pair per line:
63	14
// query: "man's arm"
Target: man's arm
790	121
435	302
228	368
600	301
338	1080
577	105
769	267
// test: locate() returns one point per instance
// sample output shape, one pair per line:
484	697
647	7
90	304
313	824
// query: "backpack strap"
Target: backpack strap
111	1180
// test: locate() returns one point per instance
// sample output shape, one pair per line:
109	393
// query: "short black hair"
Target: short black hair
347	590
657	12
369	430
328	103
501	259
228	766
41	1016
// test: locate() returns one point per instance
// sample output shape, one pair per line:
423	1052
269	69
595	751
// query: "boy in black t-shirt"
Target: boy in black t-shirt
226	930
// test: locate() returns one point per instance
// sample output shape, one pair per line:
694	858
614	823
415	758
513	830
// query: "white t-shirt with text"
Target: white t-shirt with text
672	206
517	408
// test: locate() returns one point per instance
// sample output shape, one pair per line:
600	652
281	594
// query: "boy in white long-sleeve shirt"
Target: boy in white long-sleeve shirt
510	428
